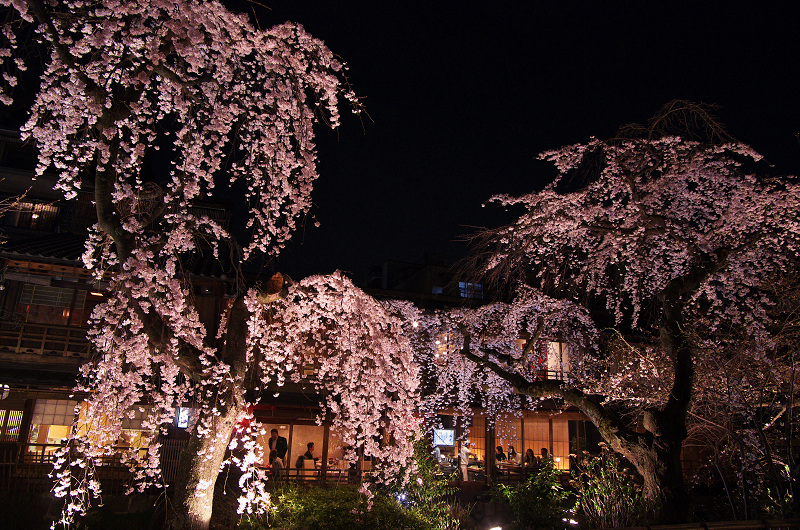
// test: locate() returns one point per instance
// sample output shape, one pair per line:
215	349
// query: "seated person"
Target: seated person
275	461
513	456
530	458
310	453
500	456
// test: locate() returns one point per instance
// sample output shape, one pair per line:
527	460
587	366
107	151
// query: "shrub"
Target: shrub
428	493
539	502
609	495
298	507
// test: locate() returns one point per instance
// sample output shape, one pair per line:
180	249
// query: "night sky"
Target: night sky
463	96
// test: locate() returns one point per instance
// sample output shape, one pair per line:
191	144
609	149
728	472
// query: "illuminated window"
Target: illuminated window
508	433
31	215
470	290
54	411
133	433
477	437
132	430
51	423
547	360
445	345
10	421
50	305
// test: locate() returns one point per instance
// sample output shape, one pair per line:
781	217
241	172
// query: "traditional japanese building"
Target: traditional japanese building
436	283
47	295
46	298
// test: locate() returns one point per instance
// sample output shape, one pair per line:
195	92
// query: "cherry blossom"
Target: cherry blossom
653	235
228	105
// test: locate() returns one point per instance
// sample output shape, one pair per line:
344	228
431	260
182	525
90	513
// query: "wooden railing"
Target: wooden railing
43	339
25	468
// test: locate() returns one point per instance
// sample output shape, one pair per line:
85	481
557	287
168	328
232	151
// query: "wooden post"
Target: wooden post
323	471
24	428
490	460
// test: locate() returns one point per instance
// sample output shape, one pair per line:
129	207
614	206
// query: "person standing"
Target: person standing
463	457
278	444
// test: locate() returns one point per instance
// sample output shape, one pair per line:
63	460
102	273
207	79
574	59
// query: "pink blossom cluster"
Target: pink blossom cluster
233	101
443	338
334	338
227	102
652	212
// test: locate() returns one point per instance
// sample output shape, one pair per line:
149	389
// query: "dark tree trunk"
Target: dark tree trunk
659	464
655	452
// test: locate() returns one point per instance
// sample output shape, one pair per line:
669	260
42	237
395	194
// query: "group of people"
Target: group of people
530	461
279	446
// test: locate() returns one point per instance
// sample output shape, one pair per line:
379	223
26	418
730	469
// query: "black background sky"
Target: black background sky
462	96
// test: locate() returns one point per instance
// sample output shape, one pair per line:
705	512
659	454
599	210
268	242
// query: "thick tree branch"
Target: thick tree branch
608	423
41	13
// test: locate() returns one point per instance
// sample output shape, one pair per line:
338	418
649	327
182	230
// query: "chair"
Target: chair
308	472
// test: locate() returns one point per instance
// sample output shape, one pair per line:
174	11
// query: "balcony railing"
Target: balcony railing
26	468
43	339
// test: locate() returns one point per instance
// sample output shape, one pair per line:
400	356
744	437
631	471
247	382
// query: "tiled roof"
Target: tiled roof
68	247
38	376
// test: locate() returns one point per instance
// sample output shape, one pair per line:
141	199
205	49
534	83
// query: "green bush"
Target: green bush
609	495
337	508
428	494
539	502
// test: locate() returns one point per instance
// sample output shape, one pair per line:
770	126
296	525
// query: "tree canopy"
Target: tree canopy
651	234
225	103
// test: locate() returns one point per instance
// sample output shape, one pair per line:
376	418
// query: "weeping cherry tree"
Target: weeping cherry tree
228	104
